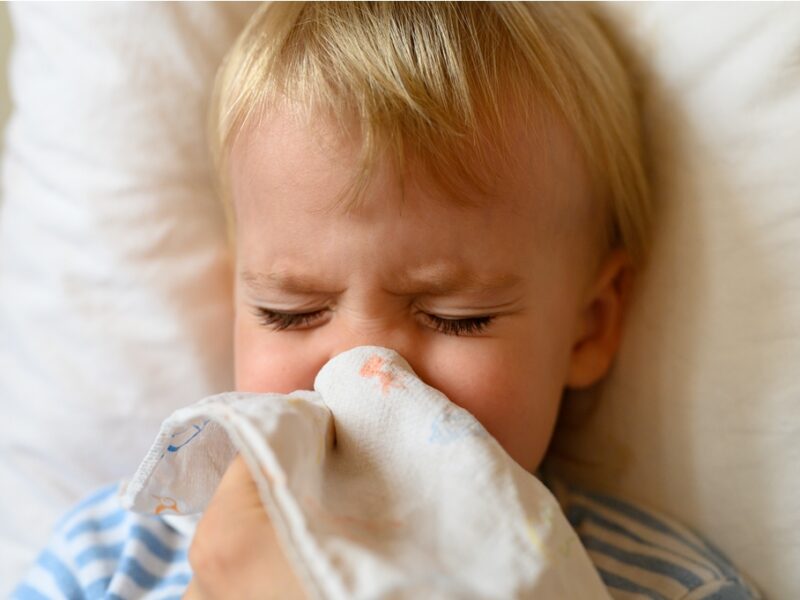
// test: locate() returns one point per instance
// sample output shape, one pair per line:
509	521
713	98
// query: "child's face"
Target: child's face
509	276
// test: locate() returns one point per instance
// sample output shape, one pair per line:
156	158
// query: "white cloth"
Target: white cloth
378	487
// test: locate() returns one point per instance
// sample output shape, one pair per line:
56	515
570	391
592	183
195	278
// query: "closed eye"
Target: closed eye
465	326
280	321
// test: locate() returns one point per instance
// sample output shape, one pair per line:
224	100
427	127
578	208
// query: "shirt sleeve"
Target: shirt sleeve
100	550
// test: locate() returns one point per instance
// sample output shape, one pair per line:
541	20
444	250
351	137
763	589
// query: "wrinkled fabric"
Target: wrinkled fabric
377	485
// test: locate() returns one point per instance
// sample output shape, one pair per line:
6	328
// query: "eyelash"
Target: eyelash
468	326
279	321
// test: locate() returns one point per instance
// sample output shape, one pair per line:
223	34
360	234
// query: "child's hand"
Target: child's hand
235	553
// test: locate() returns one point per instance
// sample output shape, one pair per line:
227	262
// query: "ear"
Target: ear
599	329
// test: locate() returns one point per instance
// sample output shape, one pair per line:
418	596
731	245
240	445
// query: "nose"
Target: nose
406	343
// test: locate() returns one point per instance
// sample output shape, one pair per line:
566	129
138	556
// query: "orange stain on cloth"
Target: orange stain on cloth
166	504
373	367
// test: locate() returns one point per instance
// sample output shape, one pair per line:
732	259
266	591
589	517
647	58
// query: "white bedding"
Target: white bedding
115	282
700	416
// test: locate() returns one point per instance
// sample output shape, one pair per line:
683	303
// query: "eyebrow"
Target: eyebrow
287	282
434	281
443	280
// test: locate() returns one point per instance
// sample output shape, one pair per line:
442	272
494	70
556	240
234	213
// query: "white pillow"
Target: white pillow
114	279
700	416
115	303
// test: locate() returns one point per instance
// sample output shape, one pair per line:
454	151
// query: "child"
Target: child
463	183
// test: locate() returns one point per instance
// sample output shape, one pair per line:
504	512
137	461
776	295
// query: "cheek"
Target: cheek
514	396
268	363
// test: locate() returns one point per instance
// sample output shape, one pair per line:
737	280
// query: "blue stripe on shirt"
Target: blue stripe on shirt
98	552
576	514
61	574
95	525
97	589
658	525
156	546
26	592
643	561
177	579
137	573
147	580
613	580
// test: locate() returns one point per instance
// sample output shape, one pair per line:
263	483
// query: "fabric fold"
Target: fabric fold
377	485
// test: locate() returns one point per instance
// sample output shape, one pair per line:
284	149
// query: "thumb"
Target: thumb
235	552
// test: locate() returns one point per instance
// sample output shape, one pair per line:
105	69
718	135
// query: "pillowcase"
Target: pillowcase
115	282
700	415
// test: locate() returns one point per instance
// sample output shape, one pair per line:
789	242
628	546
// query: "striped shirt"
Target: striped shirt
100	550
642	554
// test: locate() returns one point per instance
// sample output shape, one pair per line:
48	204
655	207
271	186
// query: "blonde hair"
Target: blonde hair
427	79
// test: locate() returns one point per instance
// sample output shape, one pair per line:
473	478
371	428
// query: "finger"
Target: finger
235	551
239	489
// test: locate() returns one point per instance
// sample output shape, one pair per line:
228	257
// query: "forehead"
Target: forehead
289	153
